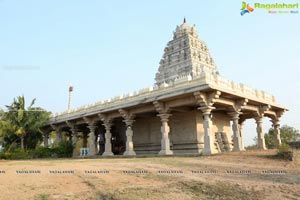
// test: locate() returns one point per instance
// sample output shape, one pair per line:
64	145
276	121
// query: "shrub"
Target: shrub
64	149
42	152
2	155
17	154
294	145
251	147
285	152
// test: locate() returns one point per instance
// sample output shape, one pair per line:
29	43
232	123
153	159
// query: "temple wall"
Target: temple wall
147	135
186	132
183	134
221	123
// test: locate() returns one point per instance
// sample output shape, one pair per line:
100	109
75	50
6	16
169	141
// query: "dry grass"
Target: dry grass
117	185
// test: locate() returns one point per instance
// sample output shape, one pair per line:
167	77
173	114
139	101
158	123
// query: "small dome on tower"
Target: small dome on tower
185	25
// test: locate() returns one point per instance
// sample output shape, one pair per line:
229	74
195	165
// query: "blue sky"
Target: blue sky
106	48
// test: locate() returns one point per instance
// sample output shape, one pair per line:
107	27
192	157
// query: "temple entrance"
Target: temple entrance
118	140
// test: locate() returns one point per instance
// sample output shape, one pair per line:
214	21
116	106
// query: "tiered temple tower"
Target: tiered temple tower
185	55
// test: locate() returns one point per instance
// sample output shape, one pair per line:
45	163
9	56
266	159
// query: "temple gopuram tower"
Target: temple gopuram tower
184	55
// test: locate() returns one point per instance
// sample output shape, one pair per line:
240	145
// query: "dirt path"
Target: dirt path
246	175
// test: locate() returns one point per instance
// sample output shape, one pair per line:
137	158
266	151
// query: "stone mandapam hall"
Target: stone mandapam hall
187	111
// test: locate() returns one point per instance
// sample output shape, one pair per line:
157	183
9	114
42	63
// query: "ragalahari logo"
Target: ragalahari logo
246	8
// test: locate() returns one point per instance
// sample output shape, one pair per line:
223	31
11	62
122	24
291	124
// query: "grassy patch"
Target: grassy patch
159	177
43	197
188	189
106	196
221	191
139	193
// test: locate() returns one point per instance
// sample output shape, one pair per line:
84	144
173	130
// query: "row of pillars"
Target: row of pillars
209	137
238	143
165	142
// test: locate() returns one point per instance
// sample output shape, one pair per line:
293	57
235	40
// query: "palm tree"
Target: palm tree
22	121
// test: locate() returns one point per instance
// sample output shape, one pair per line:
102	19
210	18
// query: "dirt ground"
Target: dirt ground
243	175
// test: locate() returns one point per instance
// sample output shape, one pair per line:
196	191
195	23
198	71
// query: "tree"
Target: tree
287	134
270	139
1	138
23	124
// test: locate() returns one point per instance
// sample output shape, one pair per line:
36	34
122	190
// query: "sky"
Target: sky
107	48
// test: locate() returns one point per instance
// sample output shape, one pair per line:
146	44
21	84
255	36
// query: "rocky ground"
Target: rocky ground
244	175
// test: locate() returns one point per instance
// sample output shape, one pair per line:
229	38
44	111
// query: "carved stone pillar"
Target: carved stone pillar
108	151
74	140
91	122
45	139
107	124
209	137
73	135
128	119
260	135
277	139
58	133
164	115
237	140
242	137
58	137
129	143
92	138
165	129
206	102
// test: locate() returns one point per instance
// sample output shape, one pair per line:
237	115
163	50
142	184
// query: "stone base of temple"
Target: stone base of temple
107	154
129	153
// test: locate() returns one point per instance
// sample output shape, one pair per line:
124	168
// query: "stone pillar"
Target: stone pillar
73	135
165	129
92	147
260	135
97	143
46	138
129	143
108	151
242	137
74	140
58	136
237	140
209	138
277	139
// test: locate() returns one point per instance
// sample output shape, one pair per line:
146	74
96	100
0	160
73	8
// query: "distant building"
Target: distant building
188	111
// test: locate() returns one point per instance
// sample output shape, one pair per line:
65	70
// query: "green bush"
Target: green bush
63	150
251	147
294	145
42	152
2	155
16	154
285	152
